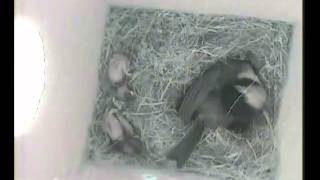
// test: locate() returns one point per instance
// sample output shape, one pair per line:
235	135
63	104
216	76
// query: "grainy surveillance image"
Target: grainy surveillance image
192	92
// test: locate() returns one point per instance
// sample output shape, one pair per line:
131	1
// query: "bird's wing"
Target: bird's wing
191	101
200	88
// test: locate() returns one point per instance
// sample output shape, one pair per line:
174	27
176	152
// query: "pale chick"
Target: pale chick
118	69
121	134
116	126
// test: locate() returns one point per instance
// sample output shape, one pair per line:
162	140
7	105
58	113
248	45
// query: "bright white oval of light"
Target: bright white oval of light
28	74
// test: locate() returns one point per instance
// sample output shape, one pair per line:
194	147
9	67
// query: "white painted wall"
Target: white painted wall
72	32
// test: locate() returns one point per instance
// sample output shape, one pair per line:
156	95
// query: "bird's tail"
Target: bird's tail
181	152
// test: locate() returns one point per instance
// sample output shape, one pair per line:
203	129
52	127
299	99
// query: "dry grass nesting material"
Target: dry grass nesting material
168	49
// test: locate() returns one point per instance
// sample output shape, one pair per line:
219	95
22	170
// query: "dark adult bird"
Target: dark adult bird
229	94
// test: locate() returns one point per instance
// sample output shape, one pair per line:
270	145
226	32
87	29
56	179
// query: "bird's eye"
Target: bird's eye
246	82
